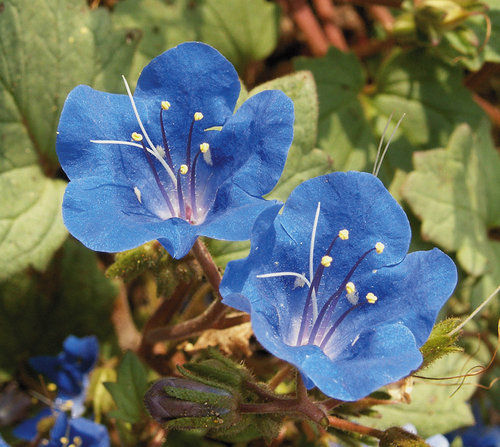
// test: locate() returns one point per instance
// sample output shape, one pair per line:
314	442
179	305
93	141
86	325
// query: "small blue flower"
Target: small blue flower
331	289
69	369
172	161
69	375
77	432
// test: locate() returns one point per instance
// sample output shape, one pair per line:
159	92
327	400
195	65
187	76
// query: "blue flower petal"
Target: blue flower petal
252	147
83	352
192	77
108	217
2	442
88	115
28	429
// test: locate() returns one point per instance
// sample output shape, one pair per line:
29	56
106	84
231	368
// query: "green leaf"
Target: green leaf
129	389
304	160
31	226
38	311
432	409
242	30
440	343
456	193
344	132
102	402
48	47
162	25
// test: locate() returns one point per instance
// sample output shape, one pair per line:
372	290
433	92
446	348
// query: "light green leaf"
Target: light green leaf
162	25
344	132
129	389
242	30
31	226
432	409
456	193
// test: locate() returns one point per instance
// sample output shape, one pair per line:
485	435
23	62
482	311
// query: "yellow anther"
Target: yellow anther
72	445
379	247
136	136
371	298
183	170
165	105
198	116
52	387
63	440
350	288
45	441
344	234
326	261
77	440
204	147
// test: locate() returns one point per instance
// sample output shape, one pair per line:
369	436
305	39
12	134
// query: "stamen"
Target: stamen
344	234
63	440
138	118
379	247
313	237
138	194
164	138
336	325
192	185
183	169
51	387
350	288
371	298
180	197
204	147
165	105
326	261
328	308
136	136
277	274
126	143
157	180
198	116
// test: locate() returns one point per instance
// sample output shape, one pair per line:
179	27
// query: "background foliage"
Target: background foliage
348	67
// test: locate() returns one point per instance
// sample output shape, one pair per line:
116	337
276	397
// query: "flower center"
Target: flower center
182	200
316	328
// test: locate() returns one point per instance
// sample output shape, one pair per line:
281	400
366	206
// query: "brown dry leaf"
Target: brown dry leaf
232	341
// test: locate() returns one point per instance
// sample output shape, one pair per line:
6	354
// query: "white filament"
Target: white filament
277	274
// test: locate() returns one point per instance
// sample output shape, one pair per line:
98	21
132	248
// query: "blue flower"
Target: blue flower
78	432
69	369
69	375
171	162
331	289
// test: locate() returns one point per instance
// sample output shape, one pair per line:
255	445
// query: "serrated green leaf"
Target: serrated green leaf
38	311
456	193
129	389
344	132
432	410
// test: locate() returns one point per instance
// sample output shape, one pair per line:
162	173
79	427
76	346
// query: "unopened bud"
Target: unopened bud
397	437
173	397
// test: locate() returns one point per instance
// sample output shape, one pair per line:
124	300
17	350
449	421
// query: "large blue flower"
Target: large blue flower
331	289
172	161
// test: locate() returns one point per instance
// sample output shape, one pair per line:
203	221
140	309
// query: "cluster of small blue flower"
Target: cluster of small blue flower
68	373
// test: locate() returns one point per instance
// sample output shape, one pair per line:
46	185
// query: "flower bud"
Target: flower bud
397	437
173	397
